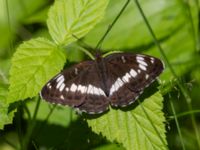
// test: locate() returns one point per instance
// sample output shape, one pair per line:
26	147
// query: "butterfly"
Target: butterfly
91	86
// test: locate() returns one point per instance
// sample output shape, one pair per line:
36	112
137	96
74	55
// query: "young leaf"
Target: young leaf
33	64
135	129
74	17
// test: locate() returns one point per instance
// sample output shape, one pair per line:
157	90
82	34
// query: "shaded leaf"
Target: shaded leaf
33	64
76	136
133	128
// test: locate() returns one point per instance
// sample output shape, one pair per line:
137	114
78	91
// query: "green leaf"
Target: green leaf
33	64
5	118
133	128
74	17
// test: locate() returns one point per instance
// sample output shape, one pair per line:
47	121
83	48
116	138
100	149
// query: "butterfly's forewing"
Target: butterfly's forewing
128	75
79	87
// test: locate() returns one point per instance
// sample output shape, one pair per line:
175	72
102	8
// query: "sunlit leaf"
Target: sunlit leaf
74	17
33	64
135	129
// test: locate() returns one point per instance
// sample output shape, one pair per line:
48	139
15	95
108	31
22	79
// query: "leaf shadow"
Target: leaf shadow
76	136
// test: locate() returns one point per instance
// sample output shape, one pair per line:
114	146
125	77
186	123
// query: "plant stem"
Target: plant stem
10	49
31	126
177	124
182	88
112	24
45	121
190	19
183	114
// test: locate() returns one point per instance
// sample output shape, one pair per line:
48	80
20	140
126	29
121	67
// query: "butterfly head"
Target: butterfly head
98	56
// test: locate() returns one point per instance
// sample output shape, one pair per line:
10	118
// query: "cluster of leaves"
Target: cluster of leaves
38	59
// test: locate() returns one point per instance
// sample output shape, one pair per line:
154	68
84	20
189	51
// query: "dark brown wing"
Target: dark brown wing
128	75
79	87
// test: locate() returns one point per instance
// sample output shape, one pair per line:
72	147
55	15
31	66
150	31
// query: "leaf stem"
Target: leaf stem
182	88
27	111
19	124
84	47
111	25
87	53
68	134
45	121
50	113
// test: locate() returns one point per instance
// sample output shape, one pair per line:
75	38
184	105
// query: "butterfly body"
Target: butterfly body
102	72
117	79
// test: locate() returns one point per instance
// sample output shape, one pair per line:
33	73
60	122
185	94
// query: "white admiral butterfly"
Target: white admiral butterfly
90	86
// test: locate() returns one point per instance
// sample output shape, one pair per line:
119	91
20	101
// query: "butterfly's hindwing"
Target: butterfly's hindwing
79	87
128	75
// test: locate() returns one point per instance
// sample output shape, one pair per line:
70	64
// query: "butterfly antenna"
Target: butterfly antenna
111	25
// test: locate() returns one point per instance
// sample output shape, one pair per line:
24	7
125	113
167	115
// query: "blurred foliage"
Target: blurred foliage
178	34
